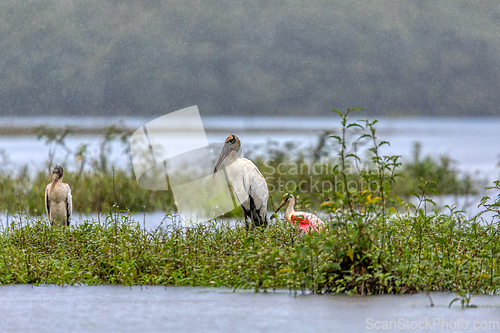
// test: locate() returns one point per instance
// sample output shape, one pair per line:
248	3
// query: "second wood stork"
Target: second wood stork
306	221
248	184
58	201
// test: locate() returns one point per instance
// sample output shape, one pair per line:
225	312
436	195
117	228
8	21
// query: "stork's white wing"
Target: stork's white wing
246	180
255	184
69	202
47	201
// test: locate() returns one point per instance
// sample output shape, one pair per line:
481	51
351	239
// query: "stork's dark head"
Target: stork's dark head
57	173
287	198
232	144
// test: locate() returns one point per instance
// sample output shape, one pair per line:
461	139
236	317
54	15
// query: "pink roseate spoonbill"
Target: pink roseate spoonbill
248	184
58	201
307	221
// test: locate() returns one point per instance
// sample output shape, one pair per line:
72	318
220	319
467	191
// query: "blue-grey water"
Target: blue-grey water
471	142
49	308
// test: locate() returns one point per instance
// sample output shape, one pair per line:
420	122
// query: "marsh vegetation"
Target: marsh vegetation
376	240
310	172
361	252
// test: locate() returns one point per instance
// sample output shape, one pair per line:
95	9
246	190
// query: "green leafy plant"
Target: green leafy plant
374	242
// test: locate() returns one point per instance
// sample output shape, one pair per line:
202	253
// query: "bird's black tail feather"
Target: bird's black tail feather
259	219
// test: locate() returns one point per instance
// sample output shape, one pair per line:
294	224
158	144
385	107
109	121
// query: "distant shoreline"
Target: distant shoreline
25	126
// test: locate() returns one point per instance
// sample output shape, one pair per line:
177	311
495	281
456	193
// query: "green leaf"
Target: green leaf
355	125
353	155
336	137
453	301
337	111
384	143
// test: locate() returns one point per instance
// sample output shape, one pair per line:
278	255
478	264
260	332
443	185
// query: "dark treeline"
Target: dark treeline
121	57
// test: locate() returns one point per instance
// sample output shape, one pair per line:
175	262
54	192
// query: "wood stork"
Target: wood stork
58	200
248	184
307	221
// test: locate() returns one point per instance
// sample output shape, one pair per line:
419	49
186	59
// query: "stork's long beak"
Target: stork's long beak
283	202
223	154
55	177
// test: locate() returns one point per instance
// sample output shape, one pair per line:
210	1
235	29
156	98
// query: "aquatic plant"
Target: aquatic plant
420	253
374	242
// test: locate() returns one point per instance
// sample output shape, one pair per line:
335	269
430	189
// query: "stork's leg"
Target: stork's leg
255	219
247	215
263	219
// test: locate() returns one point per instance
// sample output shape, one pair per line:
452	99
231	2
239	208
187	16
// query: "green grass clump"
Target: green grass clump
441	171
428	253
93	191
374	242
314	171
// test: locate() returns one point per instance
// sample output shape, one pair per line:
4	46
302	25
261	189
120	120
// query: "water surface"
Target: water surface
49	308
471	142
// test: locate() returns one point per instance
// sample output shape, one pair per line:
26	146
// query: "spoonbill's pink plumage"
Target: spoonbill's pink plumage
306	221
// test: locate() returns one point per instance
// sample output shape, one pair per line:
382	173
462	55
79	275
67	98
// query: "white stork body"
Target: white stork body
58	200
248	184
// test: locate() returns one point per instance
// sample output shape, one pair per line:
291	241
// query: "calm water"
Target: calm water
472	142
53	309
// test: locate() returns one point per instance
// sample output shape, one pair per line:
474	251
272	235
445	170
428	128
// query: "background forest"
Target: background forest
111	57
